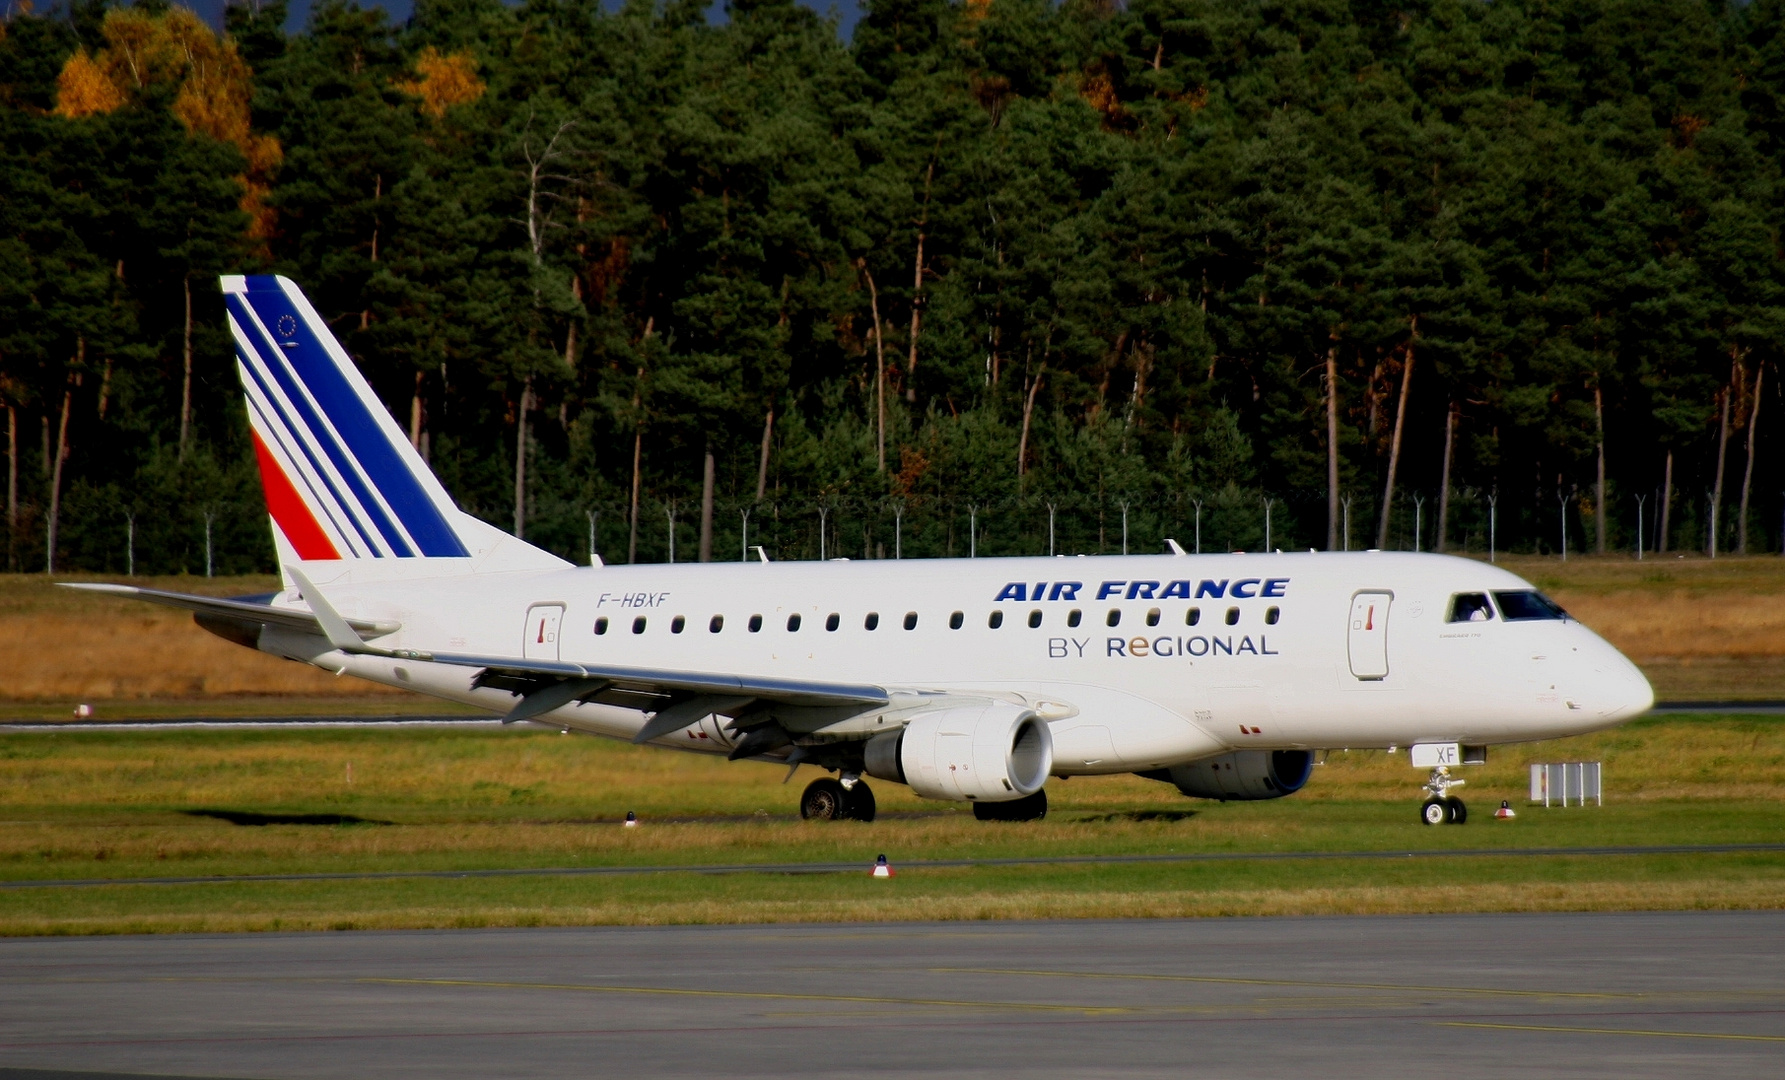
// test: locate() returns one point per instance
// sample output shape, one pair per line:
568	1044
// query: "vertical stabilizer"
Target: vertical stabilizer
343	485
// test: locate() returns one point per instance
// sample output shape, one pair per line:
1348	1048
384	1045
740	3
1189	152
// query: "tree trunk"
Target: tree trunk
1666	506
1332	447
1722	454
923	222
365	315
879	372
49	557
1450	437
576	292
1748	470
1022	446
762	464
916	321
1394	446
415	413
1599	511
706	508
638	445
520	459
186	380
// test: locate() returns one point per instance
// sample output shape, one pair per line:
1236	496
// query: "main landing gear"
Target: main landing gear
1441	807
847	799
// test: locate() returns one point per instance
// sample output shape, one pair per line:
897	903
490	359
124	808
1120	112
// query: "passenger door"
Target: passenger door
539	639
1368	635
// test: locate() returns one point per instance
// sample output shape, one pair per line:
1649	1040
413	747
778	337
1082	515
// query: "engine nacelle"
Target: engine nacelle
993	752
1242	775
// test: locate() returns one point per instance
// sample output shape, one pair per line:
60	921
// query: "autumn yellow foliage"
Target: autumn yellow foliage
443	81
83	88
176	48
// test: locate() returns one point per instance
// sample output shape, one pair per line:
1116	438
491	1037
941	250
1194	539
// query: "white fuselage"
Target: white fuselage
1285	650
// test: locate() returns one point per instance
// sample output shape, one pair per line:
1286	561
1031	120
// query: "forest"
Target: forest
993	277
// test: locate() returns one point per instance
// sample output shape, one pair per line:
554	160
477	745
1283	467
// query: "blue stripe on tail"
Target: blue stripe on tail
309	359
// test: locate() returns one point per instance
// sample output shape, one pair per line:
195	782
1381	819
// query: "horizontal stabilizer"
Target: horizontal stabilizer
253	610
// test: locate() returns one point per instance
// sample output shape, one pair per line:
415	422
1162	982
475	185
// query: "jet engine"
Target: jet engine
986	752
1241	775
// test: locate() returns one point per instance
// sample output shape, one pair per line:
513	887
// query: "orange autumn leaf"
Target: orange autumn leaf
84	89
176	47
444	81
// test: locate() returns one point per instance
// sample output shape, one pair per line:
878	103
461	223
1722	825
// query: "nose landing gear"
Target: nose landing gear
1441	807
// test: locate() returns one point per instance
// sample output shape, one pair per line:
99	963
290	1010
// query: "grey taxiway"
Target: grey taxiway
1575	995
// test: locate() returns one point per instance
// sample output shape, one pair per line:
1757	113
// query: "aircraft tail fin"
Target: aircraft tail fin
344	487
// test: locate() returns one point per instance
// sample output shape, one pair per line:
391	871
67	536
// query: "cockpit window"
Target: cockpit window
1527	605
1470	607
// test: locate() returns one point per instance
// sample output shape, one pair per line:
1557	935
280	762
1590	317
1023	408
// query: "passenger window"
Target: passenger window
872	622
911	620
1271	615
995	619
638	625
1525	606
755	623
1153	617
1115	617
716	624
1074	617
1193	616
832	623
1470	607
601	626
1233	616
1034	619
676	624
954	621
793	622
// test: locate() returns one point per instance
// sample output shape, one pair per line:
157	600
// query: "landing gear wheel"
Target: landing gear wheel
858	803
1028	808
824	800
1455	813
1434	812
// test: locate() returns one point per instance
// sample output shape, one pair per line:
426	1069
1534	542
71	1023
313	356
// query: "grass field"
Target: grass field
1702	630
127	804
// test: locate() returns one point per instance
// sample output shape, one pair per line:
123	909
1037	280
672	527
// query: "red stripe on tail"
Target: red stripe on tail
287	507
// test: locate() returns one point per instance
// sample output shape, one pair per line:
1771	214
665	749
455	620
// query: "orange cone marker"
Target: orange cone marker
631	820
881	869
1505	810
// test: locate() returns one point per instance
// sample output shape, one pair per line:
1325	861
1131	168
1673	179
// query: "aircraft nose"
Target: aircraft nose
1626	691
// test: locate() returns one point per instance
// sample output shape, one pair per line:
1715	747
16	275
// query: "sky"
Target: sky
212	11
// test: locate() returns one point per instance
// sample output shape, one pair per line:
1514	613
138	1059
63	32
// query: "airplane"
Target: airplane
971	680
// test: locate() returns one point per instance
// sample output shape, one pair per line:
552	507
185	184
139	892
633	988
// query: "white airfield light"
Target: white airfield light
971	680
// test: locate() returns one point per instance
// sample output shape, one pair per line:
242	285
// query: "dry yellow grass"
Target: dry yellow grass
59	645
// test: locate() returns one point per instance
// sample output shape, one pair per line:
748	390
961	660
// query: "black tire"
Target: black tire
1455	813
1433	812
824	800
858	803
1028	808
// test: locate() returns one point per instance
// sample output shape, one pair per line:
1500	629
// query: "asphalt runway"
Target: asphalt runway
1619	995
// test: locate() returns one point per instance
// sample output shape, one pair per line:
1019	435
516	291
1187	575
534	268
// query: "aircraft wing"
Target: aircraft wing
251	610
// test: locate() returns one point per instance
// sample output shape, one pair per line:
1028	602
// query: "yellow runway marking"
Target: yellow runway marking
752	994
1282	982
1617	1031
